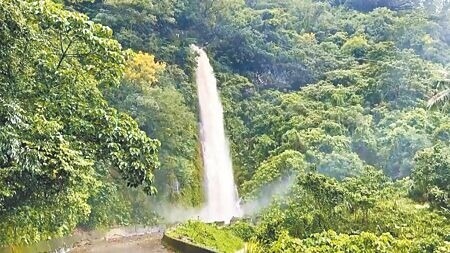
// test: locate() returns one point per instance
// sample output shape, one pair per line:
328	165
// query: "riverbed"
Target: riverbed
150	243
133	239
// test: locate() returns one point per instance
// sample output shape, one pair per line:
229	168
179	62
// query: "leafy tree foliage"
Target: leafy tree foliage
431	176
330	241
329	96
57	133
149	94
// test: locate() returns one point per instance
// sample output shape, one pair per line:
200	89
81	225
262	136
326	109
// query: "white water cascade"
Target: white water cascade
221	195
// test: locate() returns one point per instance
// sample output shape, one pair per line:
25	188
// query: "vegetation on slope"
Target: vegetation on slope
333	95
207	235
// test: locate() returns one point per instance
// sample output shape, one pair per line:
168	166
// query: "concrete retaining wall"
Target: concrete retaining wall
184	247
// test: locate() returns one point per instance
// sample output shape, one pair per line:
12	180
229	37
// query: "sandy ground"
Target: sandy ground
150	243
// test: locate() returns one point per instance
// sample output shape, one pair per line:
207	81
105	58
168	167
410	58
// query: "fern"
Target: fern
439	99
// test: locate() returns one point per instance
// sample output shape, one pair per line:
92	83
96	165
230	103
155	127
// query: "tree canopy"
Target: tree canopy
59	138
337	115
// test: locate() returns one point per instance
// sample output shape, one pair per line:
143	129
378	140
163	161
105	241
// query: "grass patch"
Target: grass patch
207	235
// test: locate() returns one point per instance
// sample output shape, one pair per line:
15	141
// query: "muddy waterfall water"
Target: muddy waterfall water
220	190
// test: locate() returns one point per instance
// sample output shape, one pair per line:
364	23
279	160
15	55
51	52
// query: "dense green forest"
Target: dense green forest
344	99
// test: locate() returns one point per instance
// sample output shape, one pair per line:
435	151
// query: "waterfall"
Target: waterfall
220	189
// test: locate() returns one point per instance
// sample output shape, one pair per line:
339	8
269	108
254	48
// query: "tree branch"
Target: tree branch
64	53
